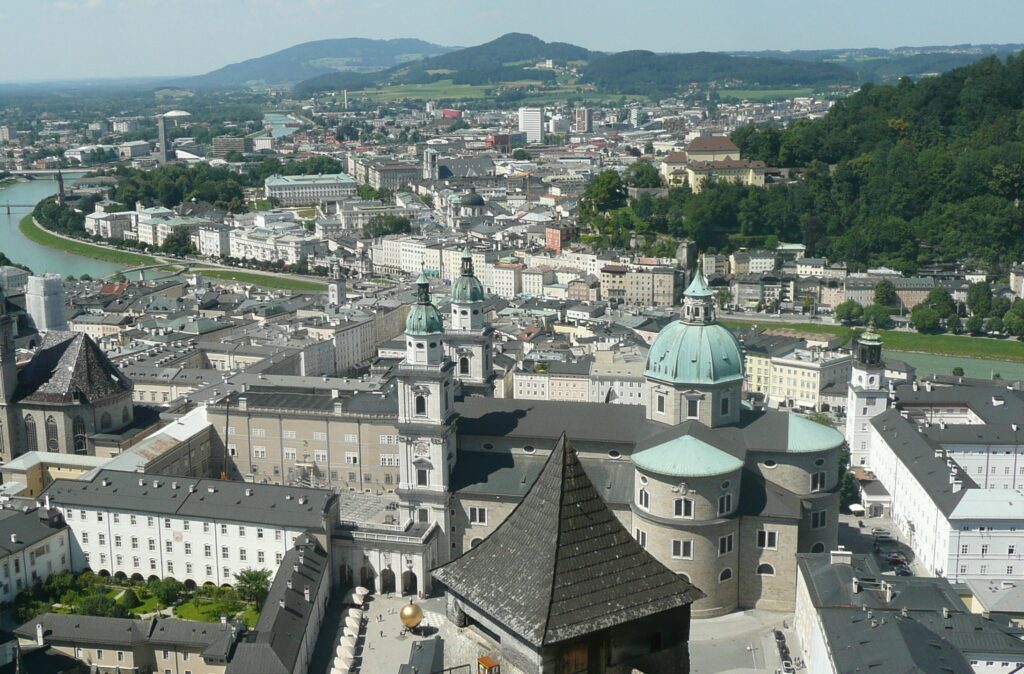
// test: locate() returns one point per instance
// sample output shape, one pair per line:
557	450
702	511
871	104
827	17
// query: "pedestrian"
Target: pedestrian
382	634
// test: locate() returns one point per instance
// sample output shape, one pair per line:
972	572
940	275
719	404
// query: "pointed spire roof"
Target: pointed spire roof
562	565
698	286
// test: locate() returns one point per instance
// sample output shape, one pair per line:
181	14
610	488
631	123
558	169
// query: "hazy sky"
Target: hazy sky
71	39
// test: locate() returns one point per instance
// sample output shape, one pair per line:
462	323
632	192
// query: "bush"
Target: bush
130	600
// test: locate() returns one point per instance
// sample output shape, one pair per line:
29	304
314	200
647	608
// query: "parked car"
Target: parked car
895	559
878	530
903	570
787	667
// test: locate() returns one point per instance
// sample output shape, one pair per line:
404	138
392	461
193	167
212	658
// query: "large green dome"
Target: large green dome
695	353
467	289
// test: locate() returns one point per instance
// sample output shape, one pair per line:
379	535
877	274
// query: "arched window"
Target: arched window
818	547
643	499
125	417
421	405
78	431
51	434
105	421
31	441
725	575
475	542
463	365
766	570
684	577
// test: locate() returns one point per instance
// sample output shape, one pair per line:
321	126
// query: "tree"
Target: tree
519	154
849	312
604	193
994	324
103	605
925	319
642	174
979	298
382	225
941	301
234	157
879	315
954	324
976	325
253	584
1013	323
130	600
885	293
167	591
178	242
958	371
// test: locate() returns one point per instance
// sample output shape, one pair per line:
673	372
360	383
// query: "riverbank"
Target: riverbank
278	281
986	348
35	232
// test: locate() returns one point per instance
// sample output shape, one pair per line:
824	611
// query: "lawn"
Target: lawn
426	91
209	611
764	94
281	281
36	233
946	345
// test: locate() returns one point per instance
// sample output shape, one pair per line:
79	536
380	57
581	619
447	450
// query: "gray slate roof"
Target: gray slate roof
69	367
561	565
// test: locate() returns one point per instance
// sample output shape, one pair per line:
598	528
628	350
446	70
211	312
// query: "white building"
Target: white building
287	241
144	526
32	548
214	240
531	122
309	190
44	301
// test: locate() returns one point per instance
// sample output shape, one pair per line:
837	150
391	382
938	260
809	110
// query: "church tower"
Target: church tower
469	340
426	415
8	382
336	294
868	395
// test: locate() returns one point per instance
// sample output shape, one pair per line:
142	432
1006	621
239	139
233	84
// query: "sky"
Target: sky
88	39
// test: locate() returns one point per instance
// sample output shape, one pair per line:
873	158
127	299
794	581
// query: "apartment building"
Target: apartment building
641	287
286	241
34	545
799	377
309	190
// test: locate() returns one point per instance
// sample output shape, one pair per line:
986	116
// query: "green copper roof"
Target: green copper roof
467	289
423	319
698	286
686	456
810	436
695	354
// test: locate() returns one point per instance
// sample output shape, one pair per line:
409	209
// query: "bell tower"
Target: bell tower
336	294
469	340
426	416
868	395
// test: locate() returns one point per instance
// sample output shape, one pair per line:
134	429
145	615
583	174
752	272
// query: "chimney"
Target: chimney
856	584
174	485
142	482
281	603
46	499
39	634
945	612
14	538
289	583
928	386
305	593
917	386
243	403
105	482
191	489
223	620
841	556
904	612
890	592
295	568
156	484
958	484
248	491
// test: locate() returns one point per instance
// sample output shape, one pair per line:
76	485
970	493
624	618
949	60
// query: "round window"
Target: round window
819	462
614	454
871	380
529	449
770	463
726	484
419	345
433	345
488	445
643	480
465	313
410	344
476	311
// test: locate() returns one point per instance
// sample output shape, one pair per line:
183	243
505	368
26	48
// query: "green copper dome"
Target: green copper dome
467	288
423	318
694	353
686	456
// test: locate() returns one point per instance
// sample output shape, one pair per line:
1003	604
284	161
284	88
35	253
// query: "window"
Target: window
765	570
32	443
724	545
422	477
243	555
225	553
724	504
725	407
641	538
259	432
692	408
767	539
319	435
206	527
241	531
388	440
818	481
259	452
984	549
725	575
288	435
152	545
260	556
351	458
170	566
51	434
643	499
167	523
1011	549
259	532
661	403
320	456
85	538
207	550
105	421
289	453
682	549
223	530
683	507
78	434
463	365
135	543
964	549
168	546
819	519
188	548
478	516
103	538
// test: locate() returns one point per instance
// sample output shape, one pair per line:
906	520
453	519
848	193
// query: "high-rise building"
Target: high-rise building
44	301
584	121
531	122
225	145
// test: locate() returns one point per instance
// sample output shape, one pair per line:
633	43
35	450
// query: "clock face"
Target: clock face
421	450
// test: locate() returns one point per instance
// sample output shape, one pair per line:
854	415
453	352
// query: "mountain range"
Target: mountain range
357	63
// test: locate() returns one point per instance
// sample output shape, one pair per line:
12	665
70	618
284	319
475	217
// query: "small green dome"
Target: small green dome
467	289
810	436
693	353
423	318
686	456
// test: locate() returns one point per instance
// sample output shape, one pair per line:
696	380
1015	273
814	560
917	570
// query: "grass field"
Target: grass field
427	91
281	282
207	611
763	94
41	236
947	345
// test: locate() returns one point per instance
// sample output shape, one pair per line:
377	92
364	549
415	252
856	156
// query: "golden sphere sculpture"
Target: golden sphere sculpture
411	615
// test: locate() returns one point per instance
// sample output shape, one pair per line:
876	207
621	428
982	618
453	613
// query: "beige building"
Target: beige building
641	287
799	377
749	172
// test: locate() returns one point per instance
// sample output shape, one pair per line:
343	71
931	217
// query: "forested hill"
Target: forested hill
310	59
921	171
644	72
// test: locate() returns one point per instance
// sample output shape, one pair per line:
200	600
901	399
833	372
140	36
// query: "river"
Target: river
24	251
280	124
